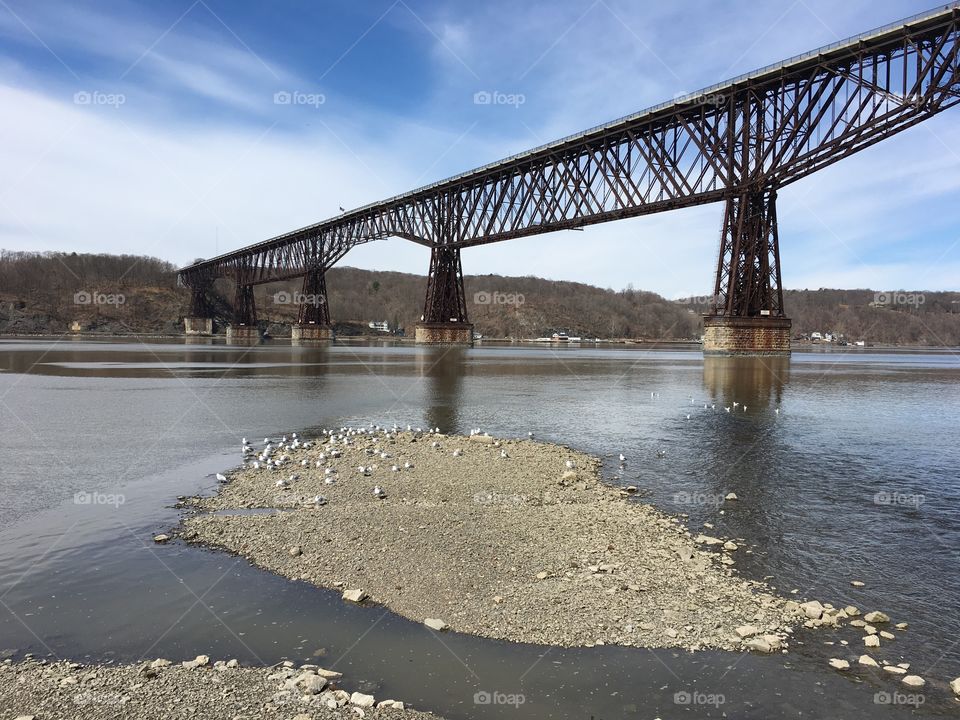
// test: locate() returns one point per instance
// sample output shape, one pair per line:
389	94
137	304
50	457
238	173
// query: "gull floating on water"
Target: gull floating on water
623	458
727	409
661	453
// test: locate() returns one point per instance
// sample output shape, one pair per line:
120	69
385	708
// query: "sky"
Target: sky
189	128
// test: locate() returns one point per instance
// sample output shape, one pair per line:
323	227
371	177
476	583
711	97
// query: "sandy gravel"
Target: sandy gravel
149	691
520	548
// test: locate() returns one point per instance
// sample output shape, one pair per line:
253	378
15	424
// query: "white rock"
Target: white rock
871	641
955	686
730	545
354	595
867	660
295	551
329	674
746	631
436	624
161	538
812	609
396	704
731	496
160	663
758	645
361	700
312	684
876	617
838	664
914	681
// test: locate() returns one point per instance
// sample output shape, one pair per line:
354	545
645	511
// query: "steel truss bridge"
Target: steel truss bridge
737	142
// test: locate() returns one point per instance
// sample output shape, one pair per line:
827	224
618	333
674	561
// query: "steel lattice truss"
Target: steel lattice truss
750	135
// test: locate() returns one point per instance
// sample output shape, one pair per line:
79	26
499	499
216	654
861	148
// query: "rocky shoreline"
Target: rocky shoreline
509	539
38	690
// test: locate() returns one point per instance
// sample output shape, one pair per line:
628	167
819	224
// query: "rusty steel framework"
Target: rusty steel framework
737	142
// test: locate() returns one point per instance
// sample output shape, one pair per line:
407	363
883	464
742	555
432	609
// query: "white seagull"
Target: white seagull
379	492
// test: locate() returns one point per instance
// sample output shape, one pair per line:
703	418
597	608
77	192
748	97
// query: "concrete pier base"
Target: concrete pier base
746	335
243	334
309	332
198	326
444	333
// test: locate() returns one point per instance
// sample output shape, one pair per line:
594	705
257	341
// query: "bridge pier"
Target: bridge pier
444	320
244	328
313	318
748	317
200	319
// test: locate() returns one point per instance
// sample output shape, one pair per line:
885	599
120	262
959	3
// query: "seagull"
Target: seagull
221	477
503	454
777	411
320	500
408	465
395	468
661	453
435	444
458	452
727	409
570	464
281	483
244	441
342	209
529	434
378	492
688	417
744	408
329	480
623	458
329	471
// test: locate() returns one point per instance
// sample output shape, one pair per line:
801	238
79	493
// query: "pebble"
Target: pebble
812	609
731	496
955	686
839	664
867	660
436	624
296	551
856	583
361	700
914	681
894	670
161	538
871	641
876	617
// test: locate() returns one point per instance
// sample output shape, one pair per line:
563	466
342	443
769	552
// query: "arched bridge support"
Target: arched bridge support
748	316
313	318
244	327
444	320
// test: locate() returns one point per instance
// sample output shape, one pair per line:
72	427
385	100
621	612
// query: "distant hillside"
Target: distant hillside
47	293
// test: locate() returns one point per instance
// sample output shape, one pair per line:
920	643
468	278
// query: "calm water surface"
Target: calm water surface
856	478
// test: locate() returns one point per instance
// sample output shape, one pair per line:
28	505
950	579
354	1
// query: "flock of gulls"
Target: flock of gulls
274	454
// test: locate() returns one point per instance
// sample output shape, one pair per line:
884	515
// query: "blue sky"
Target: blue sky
161	128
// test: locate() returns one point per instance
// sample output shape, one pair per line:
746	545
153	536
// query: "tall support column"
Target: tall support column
199	321
444	319
244	326
748	316
313	318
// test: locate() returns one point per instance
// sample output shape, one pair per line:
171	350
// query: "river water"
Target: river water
857	477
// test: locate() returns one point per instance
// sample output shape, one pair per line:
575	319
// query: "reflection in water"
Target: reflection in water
750	381
443	368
